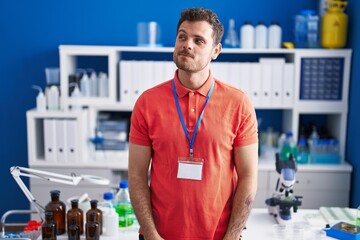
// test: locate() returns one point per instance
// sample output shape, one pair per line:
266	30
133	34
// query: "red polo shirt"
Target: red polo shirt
192	209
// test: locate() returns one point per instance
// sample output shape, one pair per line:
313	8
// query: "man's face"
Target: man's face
194	46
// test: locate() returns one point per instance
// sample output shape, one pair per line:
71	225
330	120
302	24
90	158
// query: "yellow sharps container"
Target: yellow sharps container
334	25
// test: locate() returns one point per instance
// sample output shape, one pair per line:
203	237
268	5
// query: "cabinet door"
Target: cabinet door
320	188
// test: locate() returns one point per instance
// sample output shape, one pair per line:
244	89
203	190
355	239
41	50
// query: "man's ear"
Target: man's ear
217	51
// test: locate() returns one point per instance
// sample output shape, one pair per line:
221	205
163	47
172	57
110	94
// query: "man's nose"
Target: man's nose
188	44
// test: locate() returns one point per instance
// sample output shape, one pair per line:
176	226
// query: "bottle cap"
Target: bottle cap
55	193
289	134
108	196
93	203
124	184
75	202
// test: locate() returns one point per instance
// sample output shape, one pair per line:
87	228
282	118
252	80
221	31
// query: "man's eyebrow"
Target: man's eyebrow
182	31
196	36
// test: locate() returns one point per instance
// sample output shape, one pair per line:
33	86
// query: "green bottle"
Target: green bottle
288	147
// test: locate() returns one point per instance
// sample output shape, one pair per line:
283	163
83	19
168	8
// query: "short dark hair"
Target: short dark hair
203	14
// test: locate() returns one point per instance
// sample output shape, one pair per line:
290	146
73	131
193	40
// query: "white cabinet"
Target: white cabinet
131	70
56	138
319	185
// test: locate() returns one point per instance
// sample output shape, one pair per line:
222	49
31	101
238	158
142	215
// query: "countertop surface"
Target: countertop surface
260	225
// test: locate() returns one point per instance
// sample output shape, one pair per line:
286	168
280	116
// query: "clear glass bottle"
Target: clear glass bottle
76	212
123	206
48	228
302	151
58	208
73	229
92	227
98	213
231	40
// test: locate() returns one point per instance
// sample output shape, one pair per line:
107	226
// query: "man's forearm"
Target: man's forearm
244	198
140	200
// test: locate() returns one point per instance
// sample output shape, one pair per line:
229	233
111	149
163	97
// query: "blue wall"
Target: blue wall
31	31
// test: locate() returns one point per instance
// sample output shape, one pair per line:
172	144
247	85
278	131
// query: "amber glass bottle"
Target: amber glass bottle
92	227
73	229
98	212
58	209
76	212
48	228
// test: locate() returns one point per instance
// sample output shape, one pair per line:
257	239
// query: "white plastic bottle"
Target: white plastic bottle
247	35
52	98
110	222
85	85
40	100
93	82
261	35
275	35
103	84
75	95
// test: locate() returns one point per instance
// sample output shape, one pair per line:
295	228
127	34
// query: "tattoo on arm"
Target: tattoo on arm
244	212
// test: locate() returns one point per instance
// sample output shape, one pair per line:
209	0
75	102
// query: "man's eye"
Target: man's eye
199	41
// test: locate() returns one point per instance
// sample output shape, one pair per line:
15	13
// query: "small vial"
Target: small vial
92	228
49	227
73	229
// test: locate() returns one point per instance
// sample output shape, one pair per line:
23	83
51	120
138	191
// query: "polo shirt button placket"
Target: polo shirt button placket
192	99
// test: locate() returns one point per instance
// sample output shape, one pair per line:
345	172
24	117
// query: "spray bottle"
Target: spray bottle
40	99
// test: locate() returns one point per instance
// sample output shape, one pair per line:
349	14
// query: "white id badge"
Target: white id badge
190	168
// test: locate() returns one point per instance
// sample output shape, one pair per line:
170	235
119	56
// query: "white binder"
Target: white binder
255	84
220	71
61	146
288	89
125	72
137	81
277	84
265	94
158	74
170	68
277	65
49	140
245	76
73	149
234	74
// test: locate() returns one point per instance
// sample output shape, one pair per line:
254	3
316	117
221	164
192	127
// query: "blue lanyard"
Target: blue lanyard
191	142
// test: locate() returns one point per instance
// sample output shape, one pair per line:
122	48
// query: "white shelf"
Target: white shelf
335	111
114	164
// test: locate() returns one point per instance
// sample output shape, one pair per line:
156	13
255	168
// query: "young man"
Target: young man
200	136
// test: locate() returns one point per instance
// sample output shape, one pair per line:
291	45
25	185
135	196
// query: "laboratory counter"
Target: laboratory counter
261	225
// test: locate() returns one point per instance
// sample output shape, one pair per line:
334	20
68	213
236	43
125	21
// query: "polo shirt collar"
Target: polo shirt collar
203	90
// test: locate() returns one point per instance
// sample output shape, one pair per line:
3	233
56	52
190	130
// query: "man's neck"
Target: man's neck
193	80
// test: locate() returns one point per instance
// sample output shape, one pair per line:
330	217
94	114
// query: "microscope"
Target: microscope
283	201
